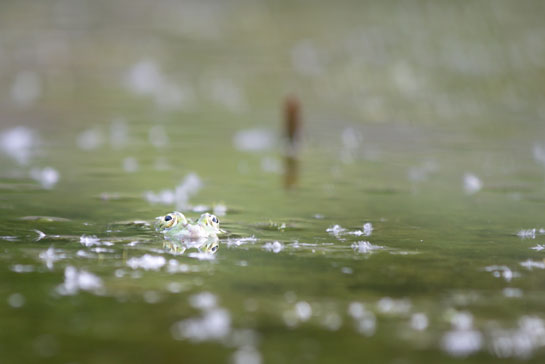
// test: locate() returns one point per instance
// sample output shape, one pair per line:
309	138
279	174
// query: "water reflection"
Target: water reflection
203	245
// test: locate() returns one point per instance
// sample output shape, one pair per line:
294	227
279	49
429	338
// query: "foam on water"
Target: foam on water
365	321
238	242
253	140
419	321
76	280
462	340
47	177
50	256
275	247
180	196
336	230
158	136
365	247
502	271
16	300
89	139
147	262
472	183
215	324
119	133
26	88
203	301
530	264
519	342
18	143
130	165
303	310
89	240
247	355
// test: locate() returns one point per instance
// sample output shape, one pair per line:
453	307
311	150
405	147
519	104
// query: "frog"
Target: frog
176	225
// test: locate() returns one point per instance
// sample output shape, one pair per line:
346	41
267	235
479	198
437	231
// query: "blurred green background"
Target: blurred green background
422	119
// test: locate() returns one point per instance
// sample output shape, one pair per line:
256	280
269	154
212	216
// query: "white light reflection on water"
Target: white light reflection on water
26	88
365	321
519	342
253	140
47	177
472	183
147	262
76	280
18	143
462	340
179	197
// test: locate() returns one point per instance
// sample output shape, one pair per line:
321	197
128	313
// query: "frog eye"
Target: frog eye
168	218
214	248
215	220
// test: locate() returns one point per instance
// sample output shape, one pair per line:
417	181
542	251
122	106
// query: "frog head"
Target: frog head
210	222
171	221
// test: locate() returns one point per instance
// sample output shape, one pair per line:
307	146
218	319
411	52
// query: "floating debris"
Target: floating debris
336	230
16	300
502	271
462	340
527	234
367	229
215	324
305	59
220	209
147	262
241	241
253	140
530	264
419	321
189	186
538	247
519	342
392	306
144	77
44	219
539	154
512	292
130	165
275	247
364	320
303	310
76	280
247	354
351	142
423	171
22	268
9	238
89	240
48	176
332	321
26	88
49	257
203	301
119	133
201	256
228	94
365	247
472	183
89	139
158	136
18	143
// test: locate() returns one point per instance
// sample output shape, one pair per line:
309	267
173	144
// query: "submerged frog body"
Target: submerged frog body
175	225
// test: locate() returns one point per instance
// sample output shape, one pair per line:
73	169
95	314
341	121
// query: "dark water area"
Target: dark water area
406	225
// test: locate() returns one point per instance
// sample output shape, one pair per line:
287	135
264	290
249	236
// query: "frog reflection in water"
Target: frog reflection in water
182	233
